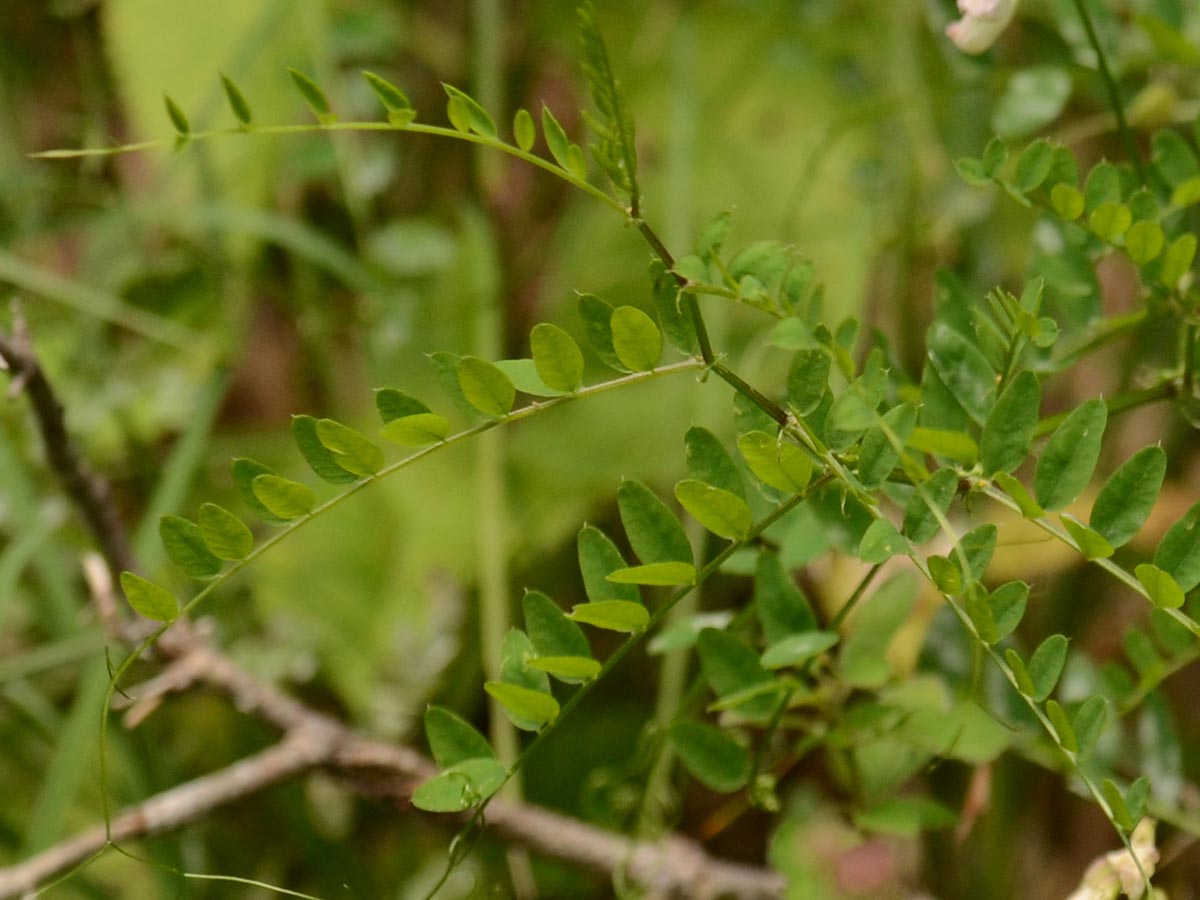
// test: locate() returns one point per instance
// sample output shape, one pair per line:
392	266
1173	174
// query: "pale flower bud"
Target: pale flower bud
981	23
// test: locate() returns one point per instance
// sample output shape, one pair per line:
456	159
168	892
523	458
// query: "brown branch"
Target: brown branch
674	867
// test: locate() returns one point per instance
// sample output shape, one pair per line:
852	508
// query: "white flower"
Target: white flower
1110	875
981	23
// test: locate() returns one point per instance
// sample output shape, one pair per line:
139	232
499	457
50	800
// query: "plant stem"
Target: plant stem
1114	93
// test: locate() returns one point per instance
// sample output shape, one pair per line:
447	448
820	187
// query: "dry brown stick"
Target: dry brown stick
675	867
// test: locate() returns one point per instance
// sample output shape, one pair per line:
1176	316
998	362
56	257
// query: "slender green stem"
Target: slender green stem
849	605
1114	93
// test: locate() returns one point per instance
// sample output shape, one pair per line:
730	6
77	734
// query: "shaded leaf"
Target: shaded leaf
782	608
452	739
796	649
711	756
477	118
148	599
599	558
244	472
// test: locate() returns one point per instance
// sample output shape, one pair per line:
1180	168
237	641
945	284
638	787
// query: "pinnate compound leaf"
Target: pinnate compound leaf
185	546
612	615
920	522
283	497
244	472
416	430
617	150
550	631
797	649
653	531
524	131
1046	665
636	339
225	535
486	388
782	608
711	756
1090	542
724	514
319	457
237	101
558	358
1125	501
660	574
599	558
964	370
1178	553
1164	591
597	314
470	113
1008	431
710	462
452	739
394	404
313	95
148	599
1070	456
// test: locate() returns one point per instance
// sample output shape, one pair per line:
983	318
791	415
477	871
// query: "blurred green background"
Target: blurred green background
186	304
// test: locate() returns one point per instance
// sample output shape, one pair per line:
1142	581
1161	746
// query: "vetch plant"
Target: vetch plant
839	459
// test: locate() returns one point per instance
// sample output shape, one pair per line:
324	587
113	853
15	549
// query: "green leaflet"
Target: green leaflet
711	756
185	546
1103	185
724	514
1062	726
1008	604
1046	665
521	685
523	373
1033	165
808	380
1090	542
225	535
552	633
946	576
782	608
597	327
319	457
1178	259
878	456
1088	723
394	404
452	739
920	522
556	138
797	649
905	817
1144	241
148	599
283	497
730	667
467	115
524	131
399	110
881	542
352	450
237	101
1110	220
636	339
178	119
313	96
486	388
964	370
776	463
569	669
599	558
944	443
244	472
1178	553
612	615
1070	456
558	358
1016	491
1164	591
662	574
673	315
461	787
653	531
416	430
976	547
1009	429
1125	501
710	462
875	623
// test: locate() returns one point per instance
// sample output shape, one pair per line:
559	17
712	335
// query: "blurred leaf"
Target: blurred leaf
313	95
730	667
782	608
872	628
775	462
452	739
711	756
1178	553
599	558
393	404
319	457
463	786
148	599
549	629
796	649
1089	723
237	101
881	542
597	324
524	131
905	816
178	119
476	117
1034	97
808	380
1091	543
244	472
